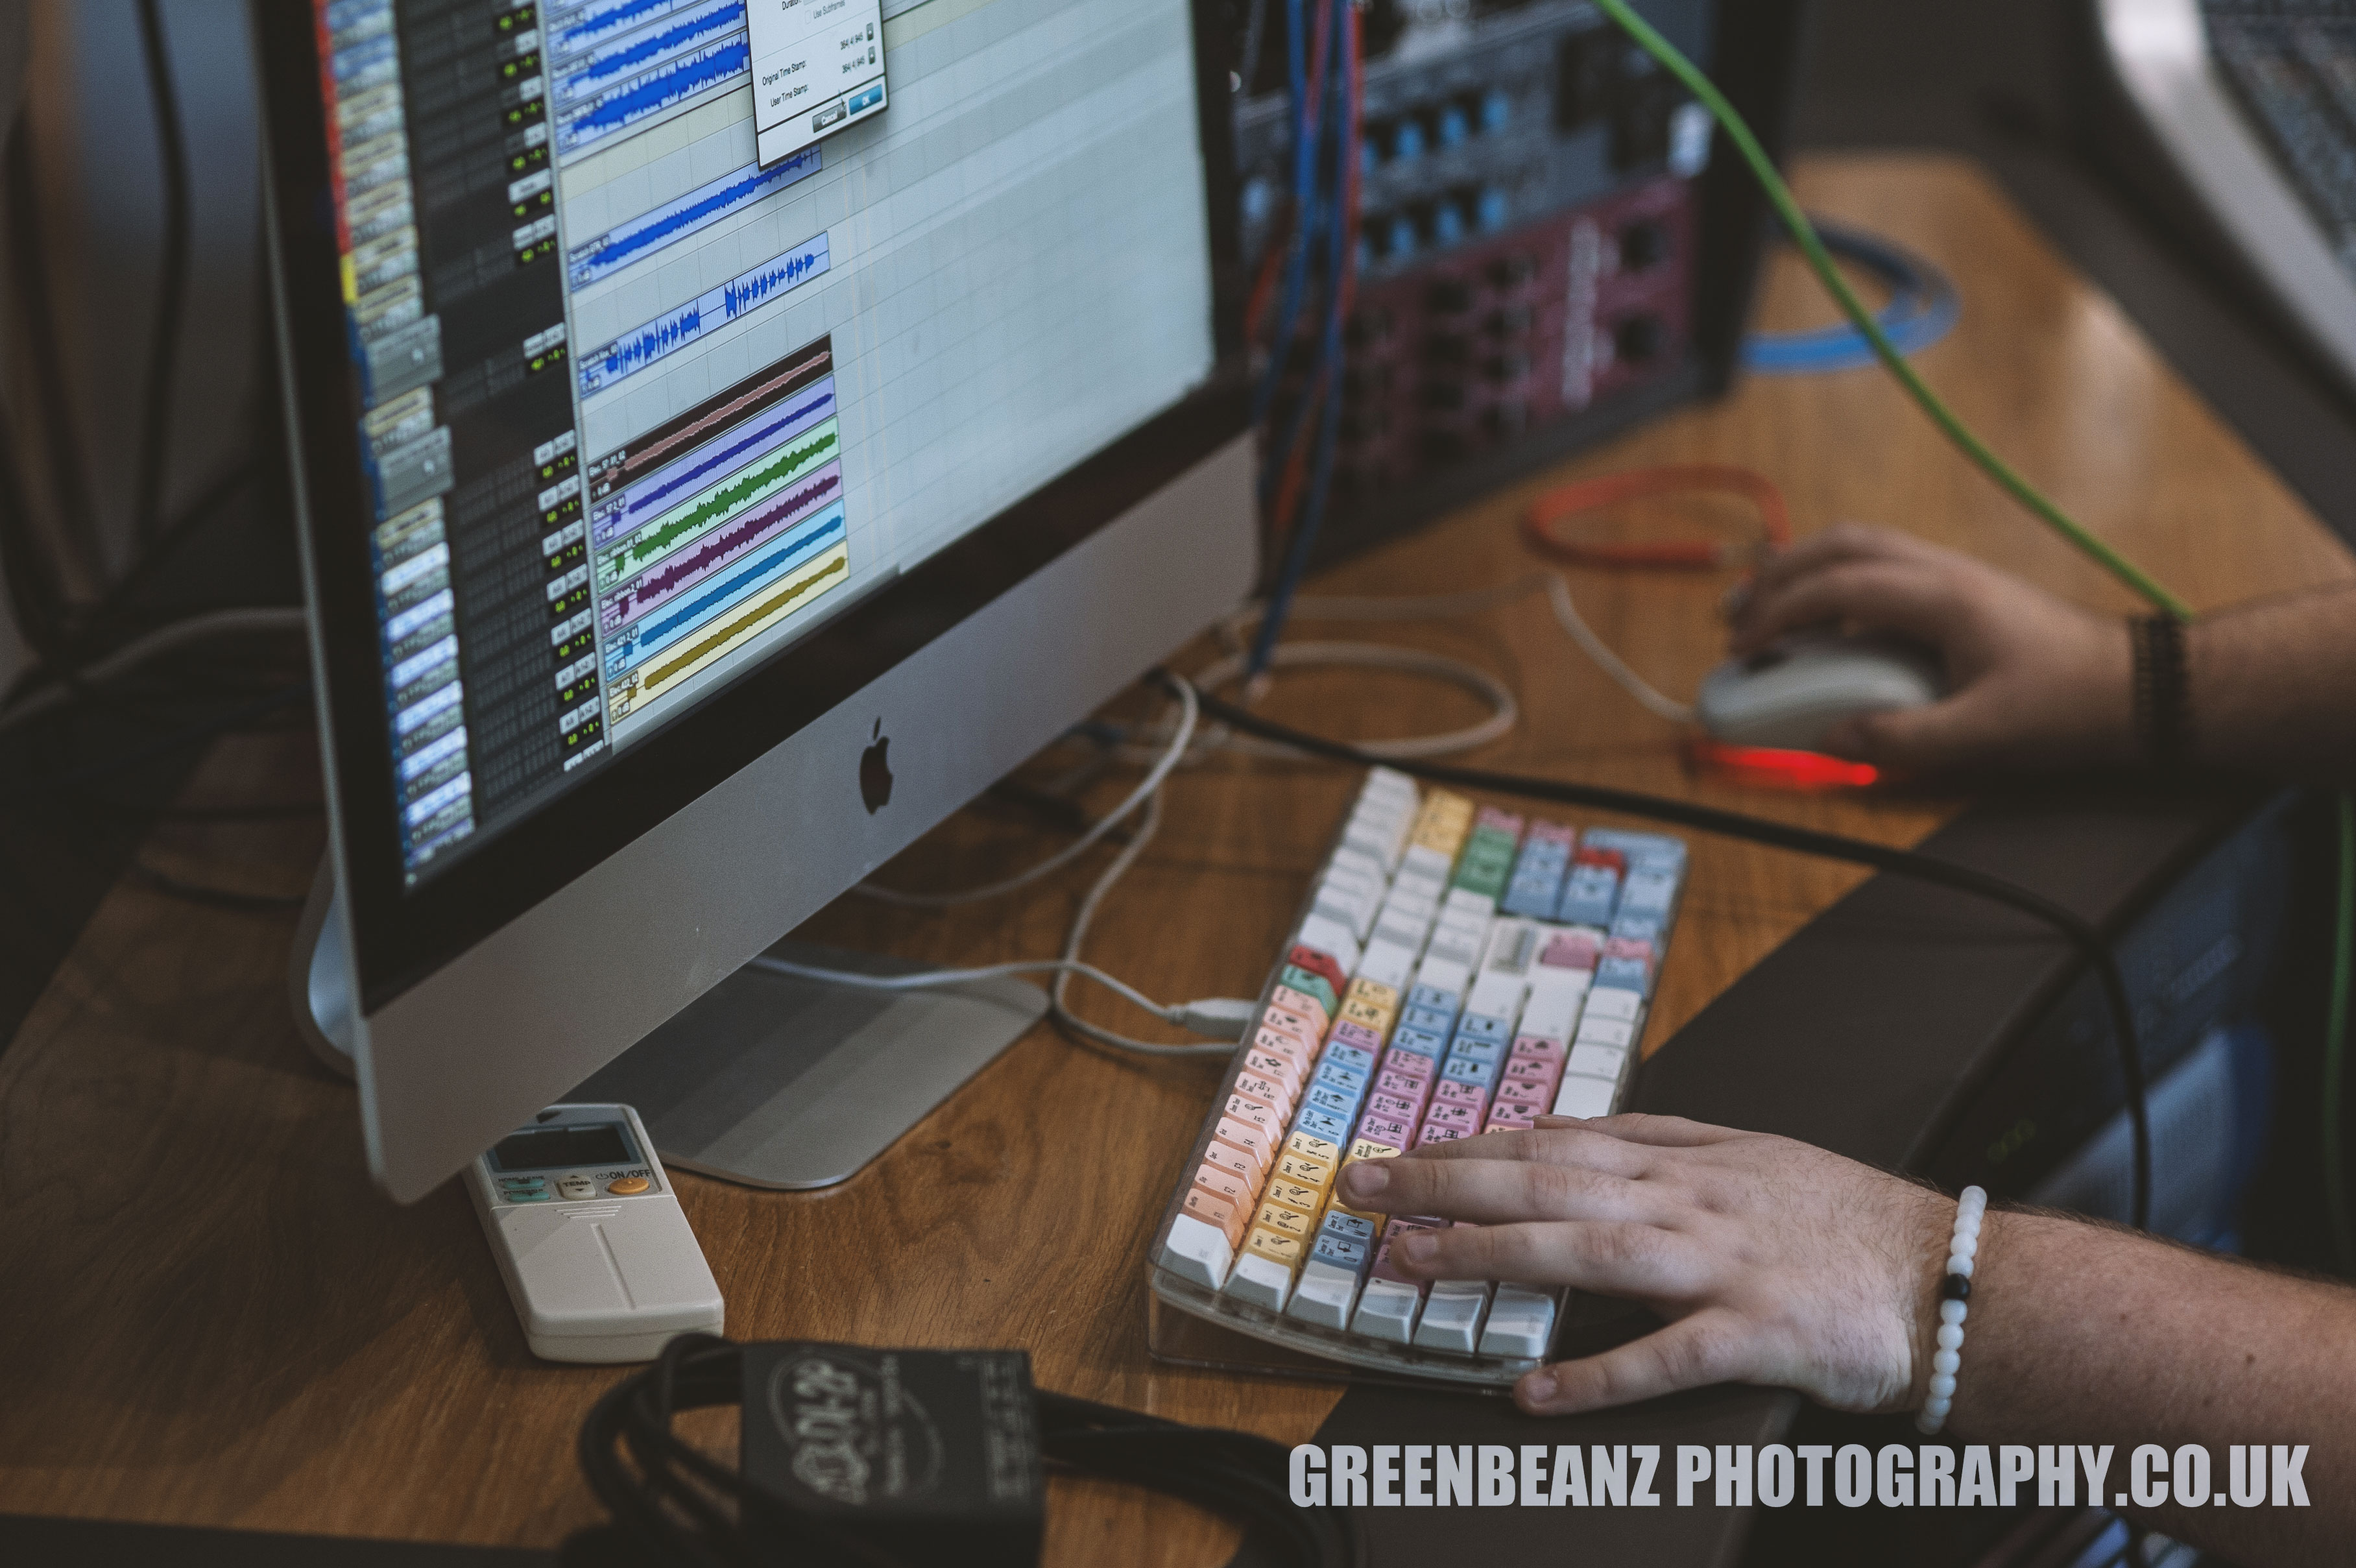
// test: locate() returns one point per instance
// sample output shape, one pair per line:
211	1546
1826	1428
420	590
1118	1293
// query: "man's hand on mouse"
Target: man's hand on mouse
1775	1262
2032	680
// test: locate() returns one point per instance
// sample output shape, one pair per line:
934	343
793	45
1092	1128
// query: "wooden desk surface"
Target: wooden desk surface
215	1319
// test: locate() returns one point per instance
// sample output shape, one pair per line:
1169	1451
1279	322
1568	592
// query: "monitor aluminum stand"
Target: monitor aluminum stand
765	1079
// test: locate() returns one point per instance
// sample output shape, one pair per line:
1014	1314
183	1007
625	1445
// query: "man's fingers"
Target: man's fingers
1607	1256
1842	541
1929	740
1563	1140
1910	597
1709	1347
1494	1192
1636	1127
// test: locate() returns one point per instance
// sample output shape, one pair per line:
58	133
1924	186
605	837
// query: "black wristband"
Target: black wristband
2163	697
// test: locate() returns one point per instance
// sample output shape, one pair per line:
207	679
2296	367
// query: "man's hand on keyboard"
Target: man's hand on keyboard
1773	1262
2033	681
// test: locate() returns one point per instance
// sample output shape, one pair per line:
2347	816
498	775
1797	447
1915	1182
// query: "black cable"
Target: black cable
172	280
213	897
37	313
2082	933
678	1506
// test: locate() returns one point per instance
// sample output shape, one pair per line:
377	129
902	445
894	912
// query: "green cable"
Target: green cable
1804	233
2335	1042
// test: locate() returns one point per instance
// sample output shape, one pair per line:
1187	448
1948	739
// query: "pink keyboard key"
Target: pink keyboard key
1406	1085
1259	1112
1434	1133
1622	947
1301	1005
1386	1130
1555	831
1281	1024
1284	1069
1416	1062
1257	1145
1515	1091
1531	1069
1572	949
1392	1107
1277	1043
1350	1032
1267	1088
1448	1113
1507	1118
1451	1092
1384	1268
1503	821
1540	1046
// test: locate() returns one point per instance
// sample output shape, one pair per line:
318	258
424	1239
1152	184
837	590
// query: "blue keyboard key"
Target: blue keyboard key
1469	1069
1348	1080
1430	1019
1648	892
1532	901
1589	897
1348	1226
1340	1101
1648	850
1626	973
1355	1057
1635	927
1342	1253
1480	1026
1431	1045
1319	1123
1474	1049
1438	1001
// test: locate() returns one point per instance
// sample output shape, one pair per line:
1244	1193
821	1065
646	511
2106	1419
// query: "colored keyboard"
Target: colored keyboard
1458	969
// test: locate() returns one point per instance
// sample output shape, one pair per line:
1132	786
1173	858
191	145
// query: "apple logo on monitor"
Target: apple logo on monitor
875	772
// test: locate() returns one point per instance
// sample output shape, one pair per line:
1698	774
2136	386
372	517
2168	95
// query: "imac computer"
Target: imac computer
728	435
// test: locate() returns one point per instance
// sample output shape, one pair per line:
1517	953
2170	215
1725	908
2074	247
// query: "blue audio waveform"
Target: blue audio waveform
675	220
598	22
646	593
601	66
651	635
655	92
634	351
638	503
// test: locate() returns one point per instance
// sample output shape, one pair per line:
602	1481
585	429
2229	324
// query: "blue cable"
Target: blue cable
1923	308
1331	355
1304	208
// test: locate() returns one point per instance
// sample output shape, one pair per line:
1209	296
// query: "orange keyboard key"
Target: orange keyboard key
1223	1182
1267	1088
1368	1149
1306	1172
1299	1004
1260	1145
1307	1023
1358	1010
1306	1200
1284	1221
1223	1156
1376	992
1259	1112
1309	1145
1285	1251
1282	1069
1226	1216
1267	1037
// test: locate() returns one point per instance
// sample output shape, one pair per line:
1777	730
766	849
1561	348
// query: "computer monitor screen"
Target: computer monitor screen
641	407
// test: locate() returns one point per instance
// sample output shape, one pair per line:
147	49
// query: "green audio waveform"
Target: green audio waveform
720	503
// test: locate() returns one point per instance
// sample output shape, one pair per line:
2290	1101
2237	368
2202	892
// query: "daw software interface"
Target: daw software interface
683	324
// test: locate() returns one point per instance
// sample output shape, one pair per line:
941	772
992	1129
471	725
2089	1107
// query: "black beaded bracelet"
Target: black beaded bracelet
2163	696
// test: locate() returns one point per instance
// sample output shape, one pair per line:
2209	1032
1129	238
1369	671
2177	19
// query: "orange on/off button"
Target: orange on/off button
628	1185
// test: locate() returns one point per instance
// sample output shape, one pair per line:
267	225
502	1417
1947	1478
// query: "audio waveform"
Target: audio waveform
689	567
654	632
634	351
597	22
692	656
639	501
601	66
649	547
655	92
646	453
675	220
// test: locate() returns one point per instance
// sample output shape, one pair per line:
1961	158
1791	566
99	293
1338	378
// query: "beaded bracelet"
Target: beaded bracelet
1955	1303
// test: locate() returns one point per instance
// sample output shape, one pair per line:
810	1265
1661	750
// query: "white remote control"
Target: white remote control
590	1237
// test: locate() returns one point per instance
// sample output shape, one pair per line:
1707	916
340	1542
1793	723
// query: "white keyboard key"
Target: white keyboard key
1428	863
1512	945
1333	938
1472	903
1596	1061
1409	904
1261	1281
1368	840
1595	1031
1521	1322
1390	782
1388	963
1197	1252
1581	1097
1419	881
1325	1295
1445	974
1452	1318
1455	946
1496	995
1352	910
1614	1003
1386	1310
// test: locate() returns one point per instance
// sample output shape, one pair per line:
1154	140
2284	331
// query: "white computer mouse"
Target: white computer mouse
1789	695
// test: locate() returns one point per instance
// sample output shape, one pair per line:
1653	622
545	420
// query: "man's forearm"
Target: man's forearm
2081	1333
2273	687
